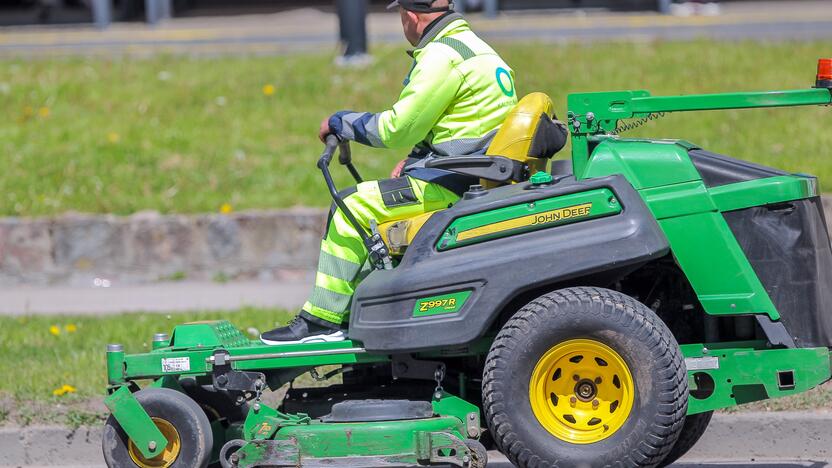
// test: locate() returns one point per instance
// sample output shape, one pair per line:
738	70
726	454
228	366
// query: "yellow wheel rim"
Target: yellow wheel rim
164	459
581	391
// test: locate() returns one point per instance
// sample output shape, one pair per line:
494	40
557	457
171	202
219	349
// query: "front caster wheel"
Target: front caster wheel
585	377
180	420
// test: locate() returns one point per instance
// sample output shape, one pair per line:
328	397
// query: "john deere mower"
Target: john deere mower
585	314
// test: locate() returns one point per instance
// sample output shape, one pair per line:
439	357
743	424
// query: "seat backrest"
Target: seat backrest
530	134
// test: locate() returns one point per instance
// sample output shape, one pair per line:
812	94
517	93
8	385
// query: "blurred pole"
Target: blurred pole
157	10
102	13
490	8
664	6
459	6
166	9
352	20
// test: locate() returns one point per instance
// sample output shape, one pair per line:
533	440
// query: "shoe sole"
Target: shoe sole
331	338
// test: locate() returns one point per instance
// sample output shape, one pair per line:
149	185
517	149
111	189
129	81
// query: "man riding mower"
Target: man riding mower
592	314
456	96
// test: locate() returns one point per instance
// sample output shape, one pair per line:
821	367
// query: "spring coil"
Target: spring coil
637	123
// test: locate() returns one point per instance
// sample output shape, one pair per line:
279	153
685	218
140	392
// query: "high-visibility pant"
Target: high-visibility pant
343	260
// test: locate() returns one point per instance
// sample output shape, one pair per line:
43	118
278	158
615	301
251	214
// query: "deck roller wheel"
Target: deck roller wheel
181	421
227	451
585	377
478	454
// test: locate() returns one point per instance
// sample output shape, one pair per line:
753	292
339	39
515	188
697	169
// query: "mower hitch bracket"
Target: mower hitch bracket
243	383
407	367
432	447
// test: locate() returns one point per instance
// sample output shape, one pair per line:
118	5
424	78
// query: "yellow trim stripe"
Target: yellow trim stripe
546	217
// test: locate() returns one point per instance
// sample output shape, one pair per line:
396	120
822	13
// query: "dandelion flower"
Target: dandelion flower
113	137
43	112
55	330
268	89
71	328
226	208
63	390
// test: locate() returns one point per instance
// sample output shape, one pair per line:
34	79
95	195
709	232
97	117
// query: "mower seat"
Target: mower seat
527	139
525	142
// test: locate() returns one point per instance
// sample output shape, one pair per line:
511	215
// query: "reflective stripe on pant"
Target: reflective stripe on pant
343	260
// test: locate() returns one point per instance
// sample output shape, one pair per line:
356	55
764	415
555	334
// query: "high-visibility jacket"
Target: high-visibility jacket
455	98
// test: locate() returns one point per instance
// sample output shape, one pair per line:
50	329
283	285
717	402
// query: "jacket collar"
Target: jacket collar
435	28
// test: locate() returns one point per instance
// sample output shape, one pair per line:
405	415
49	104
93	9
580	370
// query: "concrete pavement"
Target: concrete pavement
308	29
157	297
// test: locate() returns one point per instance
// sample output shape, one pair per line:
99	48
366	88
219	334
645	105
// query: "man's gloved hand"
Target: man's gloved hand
397	171
324	130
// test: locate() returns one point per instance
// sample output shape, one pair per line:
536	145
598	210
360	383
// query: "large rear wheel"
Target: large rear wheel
585	377
693	429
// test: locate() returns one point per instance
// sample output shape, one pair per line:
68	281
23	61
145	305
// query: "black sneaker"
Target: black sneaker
301	330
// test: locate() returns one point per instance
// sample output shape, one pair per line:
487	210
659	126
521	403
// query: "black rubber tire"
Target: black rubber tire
695	425
612	318
182	412
479	455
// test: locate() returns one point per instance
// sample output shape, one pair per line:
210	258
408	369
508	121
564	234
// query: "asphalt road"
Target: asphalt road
308	29
772	440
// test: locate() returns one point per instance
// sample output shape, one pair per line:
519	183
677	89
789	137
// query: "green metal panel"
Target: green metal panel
764	191
115	367
742	373
136	423
445	404
526	217
682	199
365	438
700	238
150	365
643	163
208	334
716	266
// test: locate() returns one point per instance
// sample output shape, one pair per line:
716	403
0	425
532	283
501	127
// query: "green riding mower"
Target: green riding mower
586	314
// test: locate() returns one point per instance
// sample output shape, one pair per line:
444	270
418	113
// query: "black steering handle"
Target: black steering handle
379	255
331	142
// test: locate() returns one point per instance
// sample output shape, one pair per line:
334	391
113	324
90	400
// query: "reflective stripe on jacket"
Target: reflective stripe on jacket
455	98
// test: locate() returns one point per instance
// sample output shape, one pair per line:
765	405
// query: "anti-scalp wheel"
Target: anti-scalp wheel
181	421
585	377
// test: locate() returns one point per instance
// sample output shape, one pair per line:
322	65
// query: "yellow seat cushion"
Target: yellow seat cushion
515	137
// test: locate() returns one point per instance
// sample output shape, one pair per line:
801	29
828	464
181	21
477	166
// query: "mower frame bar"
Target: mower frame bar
320	352
598	113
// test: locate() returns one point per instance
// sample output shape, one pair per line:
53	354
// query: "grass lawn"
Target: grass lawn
45	354
42	354
179	134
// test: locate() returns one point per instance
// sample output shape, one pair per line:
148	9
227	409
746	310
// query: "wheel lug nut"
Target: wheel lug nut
597	380
573	401
576	377
595	403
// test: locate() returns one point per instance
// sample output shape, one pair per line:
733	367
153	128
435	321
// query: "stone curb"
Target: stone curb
88	250
733	437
